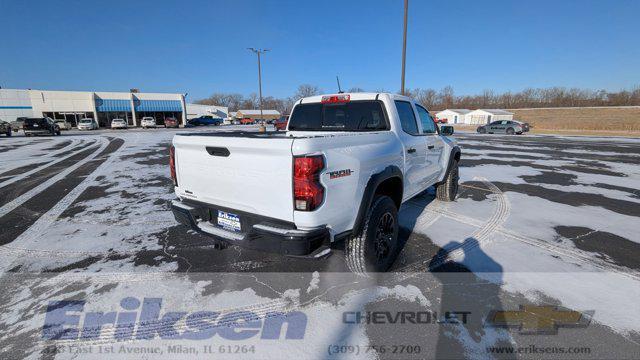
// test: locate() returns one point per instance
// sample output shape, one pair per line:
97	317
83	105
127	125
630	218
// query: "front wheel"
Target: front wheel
377	246
510	131
448	189
482	130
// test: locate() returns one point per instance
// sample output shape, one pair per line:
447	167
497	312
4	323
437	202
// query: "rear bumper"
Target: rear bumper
38	132
260	233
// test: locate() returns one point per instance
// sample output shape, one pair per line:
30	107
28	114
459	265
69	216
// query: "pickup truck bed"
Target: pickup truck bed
238	134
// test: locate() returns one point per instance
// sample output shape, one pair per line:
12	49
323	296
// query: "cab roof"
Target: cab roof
355	96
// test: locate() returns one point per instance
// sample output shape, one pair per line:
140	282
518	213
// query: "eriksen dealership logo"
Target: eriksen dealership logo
66	320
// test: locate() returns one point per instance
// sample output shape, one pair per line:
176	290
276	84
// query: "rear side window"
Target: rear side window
407	117
350	116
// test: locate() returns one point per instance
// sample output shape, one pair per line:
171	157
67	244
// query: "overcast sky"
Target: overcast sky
199	47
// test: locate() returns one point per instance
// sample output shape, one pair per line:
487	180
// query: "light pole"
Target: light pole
260	52
404	44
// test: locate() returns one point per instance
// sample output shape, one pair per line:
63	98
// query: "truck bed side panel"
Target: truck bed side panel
360	155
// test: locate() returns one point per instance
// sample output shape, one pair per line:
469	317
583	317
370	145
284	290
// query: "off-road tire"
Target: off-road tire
448	189
362	250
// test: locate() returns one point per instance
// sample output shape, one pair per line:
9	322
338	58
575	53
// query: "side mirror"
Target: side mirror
446	130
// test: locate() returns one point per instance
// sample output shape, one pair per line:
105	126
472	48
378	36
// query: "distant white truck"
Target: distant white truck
340	172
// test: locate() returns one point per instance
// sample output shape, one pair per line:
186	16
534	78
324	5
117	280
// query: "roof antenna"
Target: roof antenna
339	89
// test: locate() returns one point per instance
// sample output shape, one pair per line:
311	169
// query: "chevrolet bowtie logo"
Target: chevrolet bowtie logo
532	319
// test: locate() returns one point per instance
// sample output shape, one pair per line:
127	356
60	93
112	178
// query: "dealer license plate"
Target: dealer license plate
229	221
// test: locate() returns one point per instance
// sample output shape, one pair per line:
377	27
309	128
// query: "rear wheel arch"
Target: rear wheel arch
389	182
391	187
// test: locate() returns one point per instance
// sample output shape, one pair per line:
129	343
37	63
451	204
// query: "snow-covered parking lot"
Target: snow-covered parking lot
93	261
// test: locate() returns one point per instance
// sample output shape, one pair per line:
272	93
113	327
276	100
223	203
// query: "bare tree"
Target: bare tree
306	90
232	101
251	102
445	98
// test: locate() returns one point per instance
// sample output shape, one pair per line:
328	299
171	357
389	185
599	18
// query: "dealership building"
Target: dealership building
103	106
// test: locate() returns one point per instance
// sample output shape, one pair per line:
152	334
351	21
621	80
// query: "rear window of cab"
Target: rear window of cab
365	115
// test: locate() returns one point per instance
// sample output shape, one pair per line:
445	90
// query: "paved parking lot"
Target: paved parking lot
539	219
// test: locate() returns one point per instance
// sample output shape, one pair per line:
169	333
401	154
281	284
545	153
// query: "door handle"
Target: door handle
411	150
218	151
431	147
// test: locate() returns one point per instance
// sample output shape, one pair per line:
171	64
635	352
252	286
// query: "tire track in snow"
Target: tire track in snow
26	209
16	193
106	158
73	152
41	187
482	235
577	255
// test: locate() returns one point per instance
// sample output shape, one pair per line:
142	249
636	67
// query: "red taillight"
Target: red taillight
172	165
307	190
330	99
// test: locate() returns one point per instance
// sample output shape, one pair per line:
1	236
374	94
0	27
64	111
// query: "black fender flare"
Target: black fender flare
389	172
452	157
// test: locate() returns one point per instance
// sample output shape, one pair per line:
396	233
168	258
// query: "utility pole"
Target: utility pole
404	44
260	52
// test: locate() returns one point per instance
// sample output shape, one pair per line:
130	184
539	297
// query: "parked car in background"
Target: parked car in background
64	124
18	124
204	121
88	124
171	122
119	124
5	128
281	124
40	126
148	122
246	121
508	127
441	120
525	126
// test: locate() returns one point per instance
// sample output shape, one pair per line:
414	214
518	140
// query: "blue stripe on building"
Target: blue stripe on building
16	107
158	105
104	105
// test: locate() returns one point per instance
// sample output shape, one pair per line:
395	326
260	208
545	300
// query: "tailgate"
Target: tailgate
35	124
247	174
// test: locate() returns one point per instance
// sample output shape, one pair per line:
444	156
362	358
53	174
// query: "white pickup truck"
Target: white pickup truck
340	172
